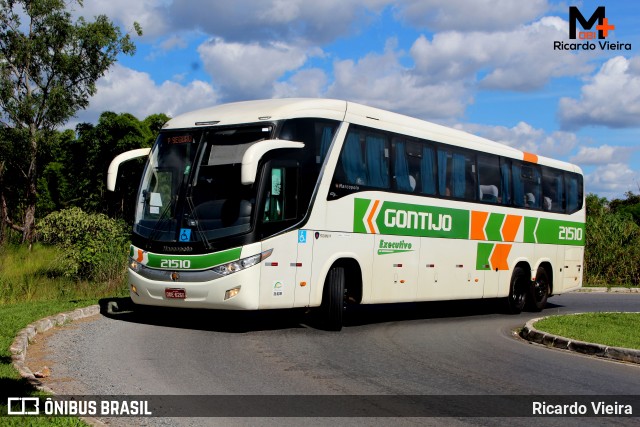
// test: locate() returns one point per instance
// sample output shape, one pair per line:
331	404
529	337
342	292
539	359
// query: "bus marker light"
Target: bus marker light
303	284
271	264
134	289
232	293
397	265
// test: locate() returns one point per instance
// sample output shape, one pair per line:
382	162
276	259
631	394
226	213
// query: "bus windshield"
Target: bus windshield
191	188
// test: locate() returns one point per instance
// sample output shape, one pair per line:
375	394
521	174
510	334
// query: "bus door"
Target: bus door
279	211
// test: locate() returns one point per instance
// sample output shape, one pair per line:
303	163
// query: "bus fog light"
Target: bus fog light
232	293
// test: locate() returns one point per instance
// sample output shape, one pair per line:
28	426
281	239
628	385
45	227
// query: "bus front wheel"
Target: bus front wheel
333	299
520	284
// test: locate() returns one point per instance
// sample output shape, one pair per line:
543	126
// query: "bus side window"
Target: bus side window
552	190
489	179
574	192
281	198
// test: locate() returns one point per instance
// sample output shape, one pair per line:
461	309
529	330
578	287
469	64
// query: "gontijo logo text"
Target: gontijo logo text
598	21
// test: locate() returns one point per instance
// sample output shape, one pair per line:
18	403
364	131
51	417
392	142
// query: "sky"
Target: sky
488	67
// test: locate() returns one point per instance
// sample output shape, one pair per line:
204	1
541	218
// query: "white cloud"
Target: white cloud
174	42
522	59
612	180
150	14
525	137
465	15
380	80
123	90
602	155
248	71
309	83
297	21
611	98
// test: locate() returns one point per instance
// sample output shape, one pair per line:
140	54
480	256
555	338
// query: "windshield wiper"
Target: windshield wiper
192	219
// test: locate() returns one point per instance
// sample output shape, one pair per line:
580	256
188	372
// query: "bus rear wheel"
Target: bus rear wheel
520	284
333	299
539	291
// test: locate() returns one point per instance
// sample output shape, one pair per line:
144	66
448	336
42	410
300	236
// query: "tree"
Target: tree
49	66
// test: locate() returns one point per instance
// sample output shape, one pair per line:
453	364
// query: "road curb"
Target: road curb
25	336
611	290
21	342
530	333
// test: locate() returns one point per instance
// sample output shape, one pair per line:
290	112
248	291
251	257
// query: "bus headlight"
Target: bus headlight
241	264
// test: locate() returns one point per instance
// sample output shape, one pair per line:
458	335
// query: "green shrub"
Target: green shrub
95	246
612	249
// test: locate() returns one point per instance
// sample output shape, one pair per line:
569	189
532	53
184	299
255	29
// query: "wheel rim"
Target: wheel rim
519	294
540	290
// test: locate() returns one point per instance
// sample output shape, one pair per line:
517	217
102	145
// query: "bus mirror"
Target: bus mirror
252	156
112	172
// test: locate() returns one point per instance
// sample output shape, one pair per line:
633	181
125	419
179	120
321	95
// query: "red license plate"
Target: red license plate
175	293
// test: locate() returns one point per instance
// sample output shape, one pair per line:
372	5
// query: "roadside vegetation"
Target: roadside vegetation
611	329
612	251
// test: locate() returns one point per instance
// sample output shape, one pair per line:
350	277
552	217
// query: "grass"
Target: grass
32	286
611	329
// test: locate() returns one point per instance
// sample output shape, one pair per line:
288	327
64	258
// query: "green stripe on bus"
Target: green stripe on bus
554	232
196	262
530	224
483	254
360	207
494	224
404	219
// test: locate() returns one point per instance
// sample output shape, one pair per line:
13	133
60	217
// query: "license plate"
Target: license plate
175	293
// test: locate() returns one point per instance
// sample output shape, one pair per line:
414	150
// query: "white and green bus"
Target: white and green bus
289	203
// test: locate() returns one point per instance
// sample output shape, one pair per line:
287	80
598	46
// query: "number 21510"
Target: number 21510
570	233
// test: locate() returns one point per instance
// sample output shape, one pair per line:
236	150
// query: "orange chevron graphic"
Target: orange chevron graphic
372	228
499	256
510	227
478	221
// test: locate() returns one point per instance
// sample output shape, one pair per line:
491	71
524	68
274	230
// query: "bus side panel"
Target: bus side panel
331	246
395	268
448	270
572	269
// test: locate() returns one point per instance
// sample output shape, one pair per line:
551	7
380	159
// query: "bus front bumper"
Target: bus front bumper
237	291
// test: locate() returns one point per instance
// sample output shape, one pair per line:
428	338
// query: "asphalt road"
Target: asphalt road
452	348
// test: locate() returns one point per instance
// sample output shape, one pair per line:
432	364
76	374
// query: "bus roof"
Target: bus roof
277	109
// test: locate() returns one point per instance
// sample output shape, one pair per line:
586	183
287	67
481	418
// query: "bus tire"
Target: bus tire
539	291
333	299
518	290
